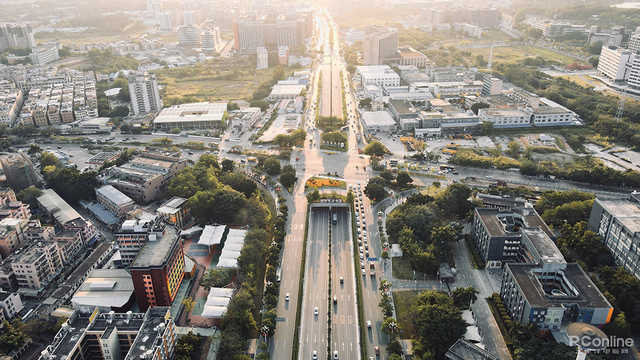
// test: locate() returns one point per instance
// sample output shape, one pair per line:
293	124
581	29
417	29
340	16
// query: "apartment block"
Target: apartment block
16	36
10	304
617	221
175	212
158	270
36	265
70	244
11	235
144	93
18	169
133	234
150	335
10	207
380	46
614	63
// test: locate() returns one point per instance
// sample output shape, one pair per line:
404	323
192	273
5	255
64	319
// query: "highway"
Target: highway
344	311
313	328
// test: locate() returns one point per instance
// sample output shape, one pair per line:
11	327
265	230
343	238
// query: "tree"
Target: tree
188	305
438	322
288	177
216	206
231	106
375	148
479	105
374	191
119	111
594	60
217	278
227	165
403	179
365	103
313	196
388	176
12	336
595	48
514	149
464	297
271	166
34	149
29	195
487	128
552	199
454	201
188	346
239	182
390	326
47	158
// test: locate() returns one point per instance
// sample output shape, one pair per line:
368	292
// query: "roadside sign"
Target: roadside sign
372	259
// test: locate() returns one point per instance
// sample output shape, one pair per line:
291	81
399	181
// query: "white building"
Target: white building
204	115
44	54
10	304
378	121
381	75
505	118
491	85
615	63
189	36
456	88
285	91
114	200
262	58
144	93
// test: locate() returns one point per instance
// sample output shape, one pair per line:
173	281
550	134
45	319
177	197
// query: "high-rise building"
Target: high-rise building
189	36
158	270
188	18
262	58
134	234
251	34
634	41
144	93
93	335
380	46
164	21
16	36
614	63
44	54
18	169
491	85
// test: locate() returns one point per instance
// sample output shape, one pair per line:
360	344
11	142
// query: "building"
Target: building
377	121
456	88
145	178
94	335
285	91
203	115
11	235
158	270
189	36
36	265
381	75
250	34
552	299
16	36
66	217
114	200
614	63
550	113
499	236
491	85
468	29
505	118
133	234
466	350
10	304
617	222
144	93
503	202
262	58
105	289
380	46
10	207
18	169
70	244
283	55
411	56
44	54
175	212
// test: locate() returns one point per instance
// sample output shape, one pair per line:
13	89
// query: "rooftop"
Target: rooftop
105	288
465	350
509	222
114	195
211	235
157	250
585	292
625	211
57	207
192	112
377	118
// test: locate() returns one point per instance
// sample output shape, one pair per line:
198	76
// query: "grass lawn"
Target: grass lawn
404	302
514	54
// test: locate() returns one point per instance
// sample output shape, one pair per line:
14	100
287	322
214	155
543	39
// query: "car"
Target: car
335	299
315	311
364	272
286	297
315	355
361	257
367	253
369	324
335	355
377	350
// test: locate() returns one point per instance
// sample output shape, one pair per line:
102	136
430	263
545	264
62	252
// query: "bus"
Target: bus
334	219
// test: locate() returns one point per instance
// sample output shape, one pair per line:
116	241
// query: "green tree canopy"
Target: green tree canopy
376	148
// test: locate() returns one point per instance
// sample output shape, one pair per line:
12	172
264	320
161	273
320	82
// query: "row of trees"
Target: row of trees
376	187
295	138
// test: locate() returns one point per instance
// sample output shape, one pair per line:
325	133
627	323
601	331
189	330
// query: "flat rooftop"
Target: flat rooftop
588	293
625	211
57	207
114	195
156	252
498	222
543	244
105	288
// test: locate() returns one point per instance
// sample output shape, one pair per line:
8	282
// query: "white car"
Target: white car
286	297
369	324
315	311
315	355
335	355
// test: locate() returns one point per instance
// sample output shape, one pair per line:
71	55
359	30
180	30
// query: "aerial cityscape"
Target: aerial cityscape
319	179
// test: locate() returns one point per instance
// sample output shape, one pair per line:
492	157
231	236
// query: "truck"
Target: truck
334	219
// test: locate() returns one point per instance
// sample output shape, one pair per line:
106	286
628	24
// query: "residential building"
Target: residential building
381	75
16	36
411	56
552	299
44	54
614	63
634	41
10	207
93	335
34	231
189	36
18	169
144	93
250	34
512	235
158	270
505	118
11	235
617	222
283	55
262	56
133	234
70	244
114	200
380	46
468	29
105	289
175	212
491	85
145	178
10	304
36	265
